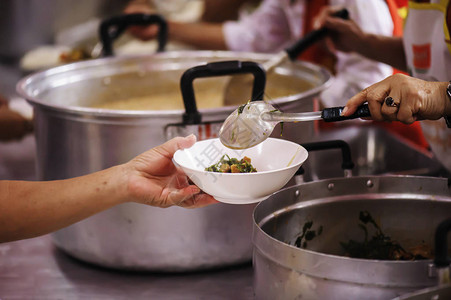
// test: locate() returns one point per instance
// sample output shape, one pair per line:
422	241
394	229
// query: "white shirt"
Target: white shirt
276	24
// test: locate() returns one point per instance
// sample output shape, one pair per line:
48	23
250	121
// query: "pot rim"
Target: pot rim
288	256
33	99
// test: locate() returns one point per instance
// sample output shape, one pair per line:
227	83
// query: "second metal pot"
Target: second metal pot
407	208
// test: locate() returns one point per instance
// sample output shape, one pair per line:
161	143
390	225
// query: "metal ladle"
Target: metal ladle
252	123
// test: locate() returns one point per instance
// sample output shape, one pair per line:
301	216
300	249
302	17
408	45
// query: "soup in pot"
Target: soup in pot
209	93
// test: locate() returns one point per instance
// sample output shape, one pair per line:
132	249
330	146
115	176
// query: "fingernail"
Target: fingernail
344	111
191	136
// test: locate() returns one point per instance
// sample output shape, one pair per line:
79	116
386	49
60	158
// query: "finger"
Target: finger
407	111
178	195
138	8
390	106
375	96
353	103
181	179
318	21
168	149
406	115
190	197
337	24
324	14
199	200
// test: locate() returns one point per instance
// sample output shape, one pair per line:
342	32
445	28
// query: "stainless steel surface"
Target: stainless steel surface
407	208
433	293
36	269
374	150
276	60
74	139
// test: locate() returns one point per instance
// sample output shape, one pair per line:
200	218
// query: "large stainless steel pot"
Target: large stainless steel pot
407	208
73	139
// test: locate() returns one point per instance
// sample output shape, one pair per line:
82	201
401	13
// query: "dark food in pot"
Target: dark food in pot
380	245
232	165
307	234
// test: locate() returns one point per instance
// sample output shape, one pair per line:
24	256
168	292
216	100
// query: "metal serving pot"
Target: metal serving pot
407	208
73	138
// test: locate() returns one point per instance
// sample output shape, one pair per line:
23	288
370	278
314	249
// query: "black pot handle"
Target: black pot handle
441	259
214	69
347	163
112	28
312	37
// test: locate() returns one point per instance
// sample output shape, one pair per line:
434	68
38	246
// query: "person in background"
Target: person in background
29	209
424	52
276	24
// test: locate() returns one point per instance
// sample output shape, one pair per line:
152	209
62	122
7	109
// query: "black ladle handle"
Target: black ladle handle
333	114
312	37
112	28
214	69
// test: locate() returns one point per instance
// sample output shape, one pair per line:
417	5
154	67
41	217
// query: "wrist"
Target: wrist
111	185
122	183
364	44
174	30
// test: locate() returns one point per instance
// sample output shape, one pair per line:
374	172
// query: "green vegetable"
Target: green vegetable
307	234
380	246
241	108
232	165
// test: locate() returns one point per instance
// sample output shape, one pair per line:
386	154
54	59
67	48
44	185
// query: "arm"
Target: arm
201	35
347	36
388	50
265	30
355	72
218	11
30	209
415	99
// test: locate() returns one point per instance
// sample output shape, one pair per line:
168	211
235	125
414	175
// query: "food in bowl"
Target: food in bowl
232	165
275	169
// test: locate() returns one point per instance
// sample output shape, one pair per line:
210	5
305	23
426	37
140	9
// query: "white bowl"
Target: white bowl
276	161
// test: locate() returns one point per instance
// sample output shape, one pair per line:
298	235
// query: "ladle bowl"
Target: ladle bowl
253	122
